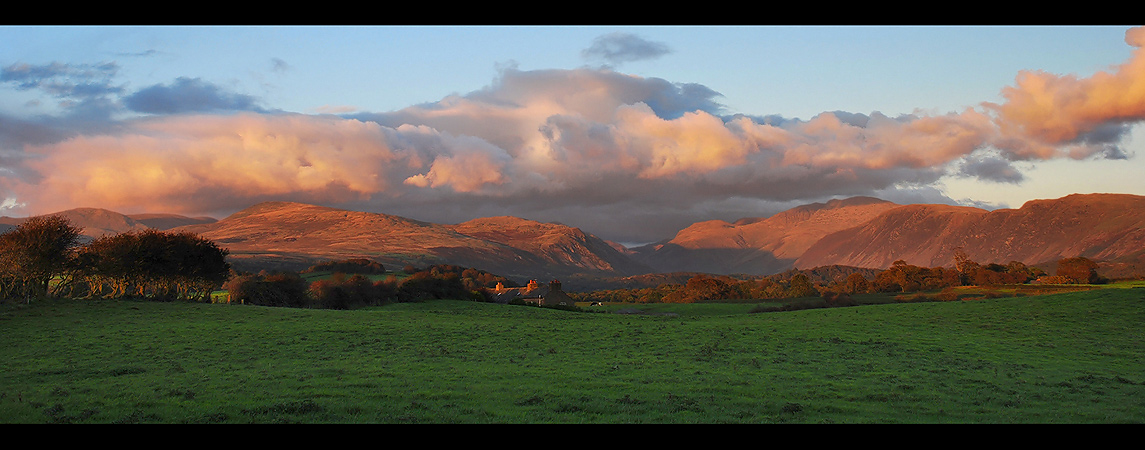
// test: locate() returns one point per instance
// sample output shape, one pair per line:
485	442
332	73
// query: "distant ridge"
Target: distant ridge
302	234
94	222
1106	227
759	245
858	232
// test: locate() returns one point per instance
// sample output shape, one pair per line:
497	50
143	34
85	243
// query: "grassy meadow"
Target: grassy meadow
1072	357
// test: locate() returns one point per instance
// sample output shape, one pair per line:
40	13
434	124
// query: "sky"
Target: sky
629	133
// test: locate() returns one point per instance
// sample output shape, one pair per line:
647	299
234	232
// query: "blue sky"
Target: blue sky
432	102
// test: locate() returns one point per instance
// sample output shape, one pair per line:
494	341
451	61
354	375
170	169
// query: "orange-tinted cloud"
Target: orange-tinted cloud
1044	112
596	139
185	163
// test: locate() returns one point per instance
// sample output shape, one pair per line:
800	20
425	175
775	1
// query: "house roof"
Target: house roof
521	292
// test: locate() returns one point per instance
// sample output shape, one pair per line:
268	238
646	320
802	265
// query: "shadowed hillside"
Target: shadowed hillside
759	245
555	244
169	221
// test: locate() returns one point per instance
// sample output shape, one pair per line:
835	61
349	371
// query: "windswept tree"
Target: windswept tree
35	253
154	264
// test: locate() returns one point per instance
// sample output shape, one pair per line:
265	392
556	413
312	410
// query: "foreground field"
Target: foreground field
1066	358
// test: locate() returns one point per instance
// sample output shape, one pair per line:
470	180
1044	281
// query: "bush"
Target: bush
947	295
1079	270
280	289
835	300
349	293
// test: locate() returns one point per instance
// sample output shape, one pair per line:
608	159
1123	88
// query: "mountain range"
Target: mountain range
858	232
96	222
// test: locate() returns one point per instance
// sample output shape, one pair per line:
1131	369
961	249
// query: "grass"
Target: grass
1074	357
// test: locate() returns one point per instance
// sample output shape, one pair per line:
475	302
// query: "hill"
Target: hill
1105	227
295	234
861	232
759	245
94	222
555	244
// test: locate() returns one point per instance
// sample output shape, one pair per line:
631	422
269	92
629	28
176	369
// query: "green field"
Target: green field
1065	358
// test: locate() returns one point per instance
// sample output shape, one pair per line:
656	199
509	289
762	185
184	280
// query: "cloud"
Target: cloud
278	65
143	54
991	169
62	79
1047	115
210	163
617	48
188	95
589	148
84	91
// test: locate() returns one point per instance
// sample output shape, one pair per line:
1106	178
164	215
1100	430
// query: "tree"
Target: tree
1078	270
701	287
965	267
34	253
800	286
856	283
278	289
154	264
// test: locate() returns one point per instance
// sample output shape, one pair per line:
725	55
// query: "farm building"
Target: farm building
533	292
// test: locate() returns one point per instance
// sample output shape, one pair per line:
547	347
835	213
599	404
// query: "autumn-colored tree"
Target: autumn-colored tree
800	286
856	283
1078	270
965	267
701	288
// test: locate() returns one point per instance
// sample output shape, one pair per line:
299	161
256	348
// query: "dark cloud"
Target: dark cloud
15	133
142	54
619	48
278	65
65	81
187	95
991	169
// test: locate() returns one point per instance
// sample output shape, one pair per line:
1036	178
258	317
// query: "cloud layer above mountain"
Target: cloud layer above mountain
580	146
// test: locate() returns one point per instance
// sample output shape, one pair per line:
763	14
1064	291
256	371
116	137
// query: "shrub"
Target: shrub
279	289
947	295
838	299
349	293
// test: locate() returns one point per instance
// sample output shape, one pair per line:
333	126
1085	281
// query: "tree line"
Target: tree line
350	287
43	257
900	277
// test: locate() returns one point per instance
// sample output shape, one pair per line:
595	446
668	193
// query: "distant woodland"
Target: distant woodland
838	283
